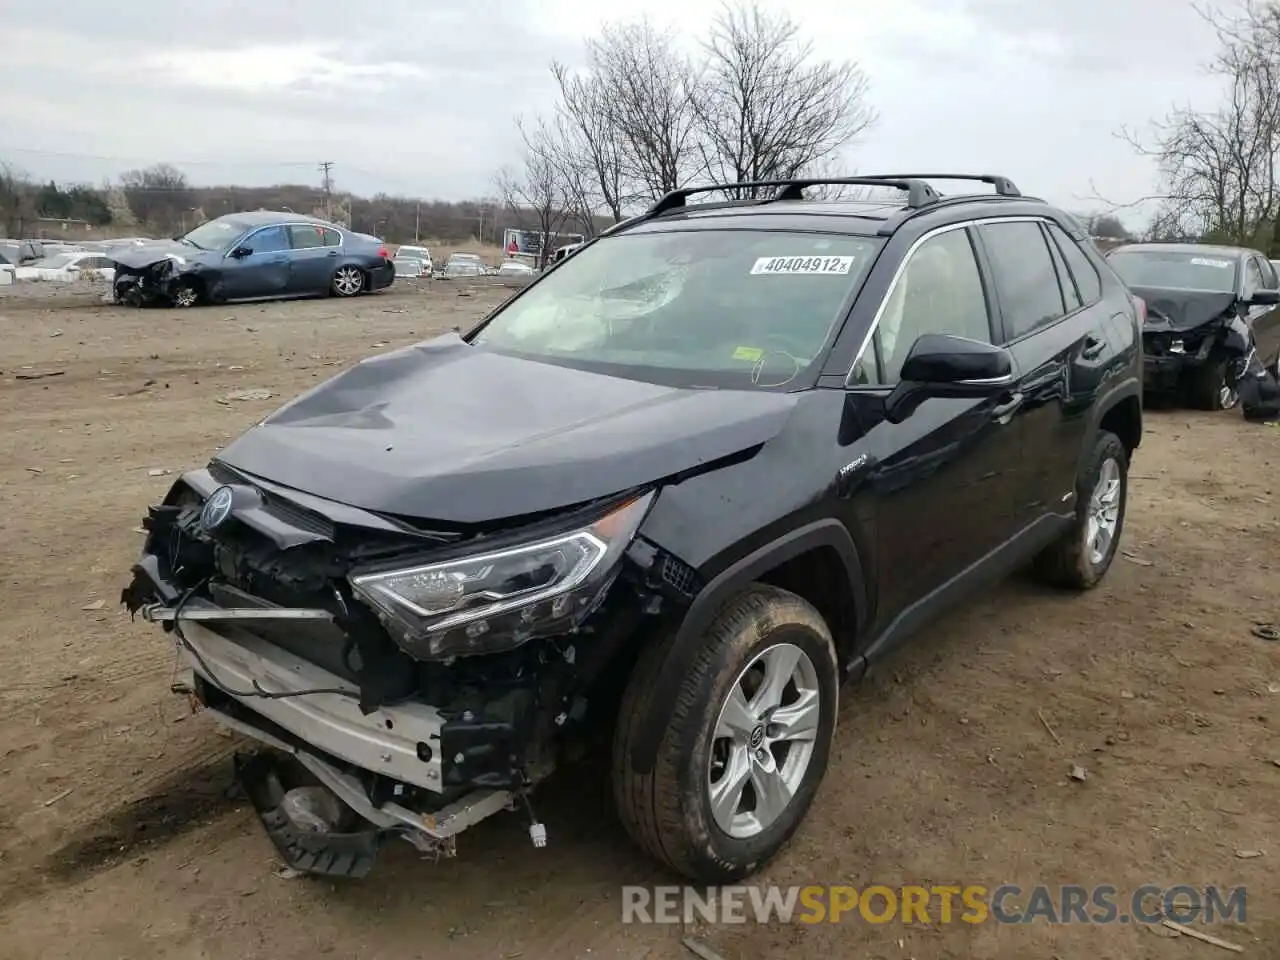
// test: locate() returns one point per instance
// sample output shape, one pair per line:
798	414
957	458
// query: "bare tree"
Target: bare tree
588	148
1219	167
647	90
17	200
158	196
535	193
765	108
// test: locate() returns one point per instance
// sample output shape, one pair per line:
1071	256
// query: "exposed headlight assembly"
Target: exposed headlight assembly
494	601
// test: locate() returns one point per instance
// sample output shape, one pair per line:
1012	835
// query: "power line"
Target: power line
327	183
151	160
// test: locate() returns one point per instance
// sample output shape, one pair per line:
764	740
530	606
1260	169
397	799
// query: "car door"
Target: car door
940	480
312	263
1061	350
264	270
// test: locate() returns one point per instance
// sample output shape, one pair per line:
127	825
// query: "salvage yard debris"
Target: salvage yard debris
242	395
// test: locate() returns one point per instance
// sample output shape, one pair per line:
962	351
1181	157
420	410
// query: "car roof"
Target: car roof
266	218
1221	250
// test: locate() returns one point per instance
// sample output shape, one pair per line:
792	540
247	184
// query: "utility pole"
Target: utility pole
326	184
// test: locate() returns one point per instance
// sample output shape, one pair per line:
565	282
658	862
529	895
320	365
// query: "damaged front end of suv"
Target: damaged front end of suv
425	679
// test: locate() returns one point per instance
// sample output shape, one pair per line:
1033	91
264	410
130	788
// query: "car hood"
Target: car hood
1181	310
448	432
139	258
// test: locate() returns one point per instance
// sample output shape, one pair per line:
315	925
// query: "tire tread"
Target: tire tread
650	806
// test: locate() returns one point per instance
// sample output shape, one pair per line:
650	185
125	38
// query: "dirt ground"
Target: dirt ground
117	837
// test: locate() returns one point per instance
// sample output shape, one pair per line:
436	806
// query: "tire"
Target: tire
1210	386
348	281
1071	562
185	295
668	812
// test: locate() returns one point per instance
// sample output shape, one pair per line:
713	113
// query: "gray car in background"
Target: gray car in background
262	255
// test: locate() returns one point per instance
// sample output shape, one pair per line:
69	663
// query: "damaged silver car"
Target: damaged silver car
263	255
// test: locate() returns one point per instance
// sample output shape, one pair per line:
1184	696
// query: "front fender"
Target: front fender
1236	338
702	611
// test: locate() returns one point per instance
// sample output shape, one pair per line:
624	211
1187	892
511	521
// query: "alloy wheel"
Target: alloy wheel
1104	512
764	740
348	281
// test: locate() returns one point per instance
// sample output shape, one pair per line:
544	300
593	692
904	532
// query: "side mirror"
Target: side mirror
941	365
1265	297
240	253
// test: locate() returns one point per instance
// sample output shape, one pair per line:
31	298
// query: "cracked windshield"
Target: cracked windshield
698	308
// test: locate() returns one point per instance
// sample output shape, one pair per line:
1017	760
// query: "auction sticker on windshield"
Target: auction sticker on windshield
1203	262
821	265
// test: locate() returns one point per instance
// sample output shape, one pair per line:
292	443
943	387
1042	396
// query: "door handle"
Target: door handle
332	253
1004	412
1093	347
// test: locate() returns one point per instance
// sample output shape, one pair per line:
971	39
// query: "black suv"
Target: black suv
668	496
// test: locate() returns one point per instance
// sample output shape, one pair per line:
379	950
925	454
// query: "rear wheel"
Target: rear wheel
1082	556
348	281
1212	386
745	746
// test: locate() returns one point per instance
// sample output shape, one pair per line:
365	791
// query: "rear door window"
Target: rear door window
1026	283
305	236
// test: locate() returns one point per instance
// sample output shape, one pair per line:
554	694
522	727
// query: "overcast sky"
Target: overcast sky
419	98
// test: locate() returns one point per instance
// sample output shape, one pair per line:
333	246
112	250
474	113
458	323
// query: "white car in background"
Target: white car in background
515	268
410	268
464	265
65	267
417	253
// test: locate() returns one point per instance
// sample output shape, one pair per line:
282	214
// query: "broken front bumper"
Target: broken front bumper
385	766
401	741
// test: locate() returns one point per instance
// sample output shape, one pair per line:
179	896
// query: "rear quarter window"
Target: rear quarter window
1082	269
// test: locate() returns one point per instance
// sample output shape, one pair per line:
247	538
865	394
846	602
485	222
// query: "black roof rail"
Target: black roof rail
919	193
1004	186
891	224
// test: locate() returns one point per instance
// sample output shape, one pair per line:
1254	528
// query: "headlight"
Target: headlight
498	600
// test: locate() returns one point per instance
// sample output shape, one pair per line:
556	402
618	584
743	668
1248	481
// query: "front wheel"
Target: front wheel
1213	386
745	746
1082	556
185	294
348	281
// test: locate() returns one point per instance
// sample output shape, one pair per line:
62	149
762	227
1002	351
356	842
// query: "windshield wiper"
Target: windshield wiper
192	242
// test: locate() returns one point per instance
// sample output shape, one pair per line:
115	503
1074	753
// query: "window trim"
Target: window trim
901	268
1264	269
1253	259
1066	279
1268	270
1071	273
